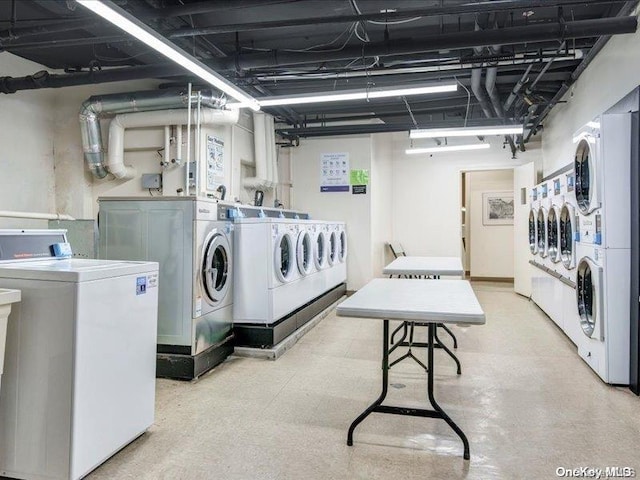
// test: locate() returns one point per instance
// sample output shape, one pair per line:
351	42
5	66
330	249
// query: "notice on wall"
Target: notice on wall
215	162
359	177
334	172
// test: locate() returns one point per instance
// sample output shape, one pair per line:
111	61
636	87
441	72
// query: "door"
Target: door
523	183
216	268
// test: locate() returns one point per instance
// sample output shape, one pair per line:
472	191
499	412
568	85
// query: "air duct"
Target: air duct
264	155
157	118
97	106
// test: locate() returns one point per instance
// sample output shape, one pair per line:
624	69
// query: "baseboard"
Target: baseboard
492	279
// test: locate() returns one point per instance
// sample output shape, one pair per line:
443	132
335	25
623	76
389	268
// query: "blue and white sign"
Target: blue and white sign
334	172
141	285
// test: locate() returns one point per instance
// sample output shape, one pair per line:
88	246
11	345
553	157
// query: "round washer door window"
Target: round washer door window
305	251
320	251
343	246
533	240
586	297
583	166
552	234
541	233
333	248
566	236
216	268
284	257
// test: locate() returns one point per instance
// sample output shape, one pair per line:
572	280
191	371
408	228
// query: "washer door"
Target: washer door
343	246
588	283
333	248
216	267
552	235
320	250
304	253
584	166
541	227
567	230
284	257
533	231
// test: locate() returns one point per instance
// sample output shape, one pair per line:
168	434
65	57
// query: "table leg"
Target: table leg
404	334
446	329
385	384
432	400
409	353
444	347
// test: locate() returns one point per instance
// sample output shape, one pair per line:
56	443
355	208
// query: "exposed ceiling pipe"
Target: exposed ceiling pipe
44	79
35	216
158	118
57	27
627	9
264	153
516	89
469	8
197	8
437	42
97	106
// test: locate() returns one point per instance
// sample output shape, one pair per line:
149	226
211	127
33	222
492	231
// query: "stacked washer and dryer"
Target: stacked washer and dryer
602	192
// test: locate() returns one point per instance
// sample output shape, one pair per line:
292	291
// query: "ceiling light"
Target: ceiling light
448	148
120	18
467	131
346	95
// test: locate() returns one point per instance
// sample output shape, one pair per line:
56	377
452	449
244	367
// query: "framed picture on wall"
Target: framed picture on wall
497	208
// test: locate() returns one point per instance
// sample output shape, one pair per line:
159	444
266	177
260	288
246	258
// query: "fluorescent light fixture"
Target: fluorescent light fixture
448	148
345	95
593	124
131	25
467	131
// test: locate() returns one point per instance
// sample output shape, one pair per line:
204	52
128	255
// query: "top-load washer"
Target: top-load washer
192	239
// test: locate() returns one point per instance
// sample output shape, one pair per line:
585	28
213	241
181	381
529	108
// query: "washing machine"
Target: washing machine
192	239
304	250
343	246
267	279
533	221
336	254
541	223
79	379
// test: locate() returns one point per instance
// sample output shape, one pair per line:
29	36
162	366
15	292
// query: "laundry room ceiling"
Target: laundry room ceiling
525	54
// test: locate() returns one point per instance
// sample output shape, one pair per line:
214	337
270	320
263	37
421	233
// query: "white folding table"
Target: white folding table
424	301
420	267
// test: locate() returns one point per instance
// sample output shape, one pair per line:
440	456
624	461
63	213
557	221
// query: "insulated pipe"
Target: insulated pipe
178	144
96	106
36	216
271	128
167	145
115	163
261	179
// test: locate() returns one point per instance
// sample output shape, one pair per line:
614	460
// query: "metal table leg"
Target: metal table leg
444	347
409	353
377	406
446	329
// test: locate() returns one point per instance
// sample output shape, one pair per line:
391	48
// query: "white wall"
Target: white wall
491	246
27	180
343	206
523	177
611	75
380	190
426	198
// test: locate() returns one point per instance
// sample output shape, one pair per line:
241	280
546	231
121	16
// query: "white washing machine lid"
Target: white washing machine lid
284	257
74	269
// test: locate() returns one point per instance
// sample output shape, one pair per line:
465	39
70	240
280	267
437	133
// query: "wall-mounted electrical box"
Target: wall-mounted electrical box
152	180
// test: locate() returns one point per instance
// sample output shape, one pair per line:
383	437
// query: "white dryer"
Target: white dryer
543	213
304	250
337	272
534	204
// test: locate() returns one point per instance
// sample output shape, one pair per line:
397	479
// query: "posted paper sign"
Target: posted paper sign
215	162
334	172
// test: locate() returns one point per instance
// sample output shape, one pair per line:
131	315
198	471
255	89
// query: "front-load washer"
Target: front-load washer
337	271
541	233
553	235
192	239
304	251
79	378
343	246
568	234
586	166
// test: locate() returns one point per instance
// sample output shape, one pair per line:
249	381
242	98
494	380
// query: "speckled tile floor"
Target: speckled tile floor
526	401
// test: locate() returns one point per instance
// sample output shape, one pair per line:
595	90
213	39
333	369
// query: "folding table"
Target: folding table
424	301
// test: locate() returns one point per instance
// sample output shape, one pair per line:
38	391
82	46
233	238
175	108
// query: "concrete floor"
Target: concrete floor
525	399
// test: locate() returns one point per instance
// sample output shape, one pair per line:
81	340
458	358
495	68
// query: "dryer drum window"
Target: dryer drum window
532	232
541	231
343	245
582	166
320	248
552	234
333	247
586	298
215	271
566	236
304	253
285	256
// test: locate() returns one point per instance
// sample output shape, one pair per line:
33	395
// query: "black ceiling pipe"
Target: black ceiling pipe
444	41
472	9
586	61
57	27
50	80
198	8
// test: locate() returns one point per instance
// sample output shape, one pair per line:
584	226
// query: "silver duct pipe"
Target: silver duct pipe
490	85
95	107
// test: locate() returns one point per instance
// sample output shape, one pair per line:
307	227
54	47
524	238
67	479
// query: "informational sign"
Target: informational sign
359	177
215	162
334	172
359	189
